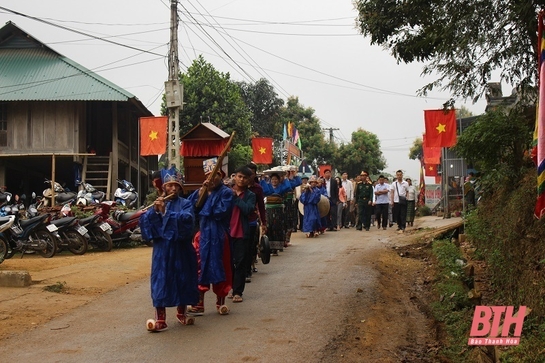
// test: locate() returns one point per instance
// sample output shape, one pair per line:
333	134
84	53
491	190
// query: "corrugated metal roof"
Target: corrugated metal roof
38	74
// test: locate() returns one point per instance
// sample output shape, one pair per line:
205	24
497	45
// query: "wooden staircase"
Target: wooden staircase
97	171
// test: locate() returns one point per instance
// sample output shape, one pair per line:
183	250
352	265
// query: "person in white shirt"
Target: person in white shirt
349	189
399	188
382	201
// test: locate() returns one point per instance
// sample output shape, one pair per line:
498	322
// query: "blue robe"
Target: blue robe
214	219
281	189
174	260
311	219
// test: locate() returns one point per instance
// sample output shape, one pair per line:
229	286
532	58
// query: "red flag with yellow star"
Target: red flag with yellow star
431	170
440	128
262	150
153	135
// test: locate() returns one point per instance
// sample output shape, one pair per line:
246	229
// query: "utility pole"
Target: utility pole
331	129
174	92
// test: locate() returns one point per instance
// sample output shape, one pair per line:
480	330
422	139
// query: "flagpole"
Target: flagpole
445	181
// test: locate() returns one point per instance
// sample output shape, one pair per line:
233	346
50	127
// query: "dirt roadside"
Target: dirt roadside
393	329
84	278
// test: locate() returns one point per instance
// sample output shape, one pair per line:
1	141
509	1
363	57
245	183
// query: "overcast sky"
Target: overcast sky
305	48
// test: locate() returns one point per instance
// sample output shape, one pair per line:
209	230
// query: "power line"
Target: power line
266	75
77	31
217	44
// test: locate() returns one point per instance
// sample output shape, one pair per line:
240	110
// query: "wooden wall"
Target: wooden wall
44	127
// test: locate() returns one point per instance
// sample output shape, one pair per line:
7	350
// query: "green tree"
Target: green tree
416	151
313	143
362	153
497	143
239	155
264	104
461	41
211	95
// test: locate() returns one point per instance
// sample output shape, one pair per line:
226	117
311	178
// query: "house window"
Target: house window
3	124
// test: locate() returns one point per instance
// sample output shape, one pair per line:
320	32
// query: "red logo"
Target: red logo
486	328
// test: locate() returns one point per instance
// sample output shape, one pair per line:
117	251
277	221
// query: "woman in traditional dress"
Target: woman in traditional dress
274	190
411	202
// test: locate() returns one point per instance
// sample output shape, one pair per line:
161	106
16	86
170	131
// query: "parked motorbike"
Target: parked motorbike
124	224
88	194
126	195
61	196
71	235
99	232
5	223
33	234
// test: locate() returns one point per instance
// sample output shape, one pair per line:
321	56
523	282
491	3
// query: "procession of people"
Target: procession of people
212	238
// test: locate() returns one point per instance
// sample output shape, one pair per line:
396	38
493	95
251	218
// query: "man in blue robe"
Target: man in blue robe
212	241
174	260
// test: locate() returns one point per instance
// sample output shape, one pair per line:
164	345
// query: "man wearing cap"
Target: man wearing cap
212	239
364	199
174	260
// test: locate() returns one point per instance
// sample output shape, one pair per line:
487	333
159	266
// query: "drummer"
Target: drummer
324	223
304	183
276	187
310	196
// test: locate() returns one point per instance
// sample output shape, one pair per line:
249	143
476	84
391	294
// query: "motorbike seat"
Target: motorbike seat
127	216
64	197
63	221
88	220
4	219
97	194
26	222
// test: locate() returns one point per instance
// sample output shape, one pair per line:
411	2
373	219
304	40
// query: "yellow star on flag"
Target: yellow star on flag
441	128
153	135
431	168
262	150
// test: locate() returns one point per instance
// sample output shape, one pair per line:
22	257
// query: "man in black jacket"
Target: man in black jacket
333	195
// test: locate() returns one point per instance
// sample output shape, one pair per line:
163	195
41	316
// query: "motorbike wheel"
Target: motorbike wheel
77	244
102	239
3	249
148	243
49	239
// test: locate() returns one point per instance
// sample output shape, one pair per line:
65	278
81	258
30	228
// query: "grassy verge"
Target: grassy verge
452	309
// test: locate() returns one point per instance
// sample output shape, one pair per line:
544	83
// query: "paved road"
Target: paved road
293	307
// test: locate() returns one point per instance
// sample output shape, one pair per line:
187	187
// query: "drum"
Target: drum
323	207
275	221
265	249
290	214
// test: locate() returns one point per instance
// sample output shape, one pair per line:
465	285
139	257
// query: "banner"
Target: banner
440	128
539	133
433	195
262	150
422	187
153	135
